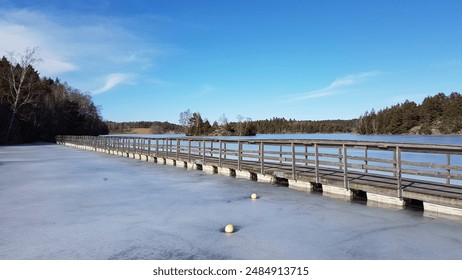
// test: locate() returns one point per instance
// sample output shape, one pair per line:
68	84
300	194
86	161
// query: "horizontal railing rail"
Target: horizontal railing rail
420	162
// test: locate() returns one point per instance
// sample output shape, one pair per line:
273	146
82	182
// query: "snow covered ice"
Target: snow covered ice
62	203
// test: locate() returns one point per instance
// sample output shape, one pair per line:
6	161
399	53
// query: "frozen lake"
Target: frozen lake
63	203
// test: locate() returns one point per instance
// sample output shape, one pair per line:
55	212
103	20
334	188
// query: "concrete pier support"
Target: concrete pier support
300	185
209	169
181	164
243	174
192	166
266	178
170	162
336	192
225	171
431	209
383	200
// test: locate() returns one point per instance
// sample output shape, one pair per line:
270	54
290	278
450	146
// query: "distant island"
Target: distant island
436	115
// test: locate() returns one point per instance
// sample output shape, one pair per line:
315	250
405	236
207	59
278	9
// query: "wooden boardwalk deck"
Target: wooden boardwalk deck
391	173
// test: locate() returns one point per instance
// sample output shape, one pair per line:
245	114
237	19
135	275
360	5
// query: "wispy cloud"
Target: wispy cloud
86	45
114	79
335	87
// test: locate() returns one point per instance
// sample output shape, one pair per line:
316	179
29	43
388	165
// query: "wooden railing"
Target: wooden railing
420	162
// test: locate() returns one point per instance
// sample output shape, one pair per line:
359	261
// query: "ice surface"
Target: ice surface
63	203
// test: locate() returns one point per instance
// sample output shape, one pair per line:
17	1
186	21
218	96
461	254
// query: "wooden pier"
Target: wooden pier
383	173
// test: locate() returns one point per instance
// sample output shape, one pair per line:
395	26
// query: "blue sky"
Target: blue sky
306	60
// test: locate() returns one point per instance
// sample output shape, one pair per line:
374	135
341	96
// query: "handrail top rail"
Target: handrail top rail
382	145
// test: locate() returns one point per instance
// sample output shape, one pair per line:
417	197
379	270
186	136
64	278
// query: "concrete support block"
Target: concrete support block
181	164
384	200
436	210
209	169
336	192
225	171
243	174
300	185
192	166
170	162
266	178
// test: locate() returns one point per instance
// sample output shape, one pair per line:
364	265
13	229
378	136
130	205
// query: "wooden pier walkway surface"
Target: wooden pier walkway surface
386	173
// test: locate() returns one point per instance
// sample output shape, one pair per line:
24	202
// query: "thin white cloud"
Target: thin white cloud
336	86
114	79
85	46
21	29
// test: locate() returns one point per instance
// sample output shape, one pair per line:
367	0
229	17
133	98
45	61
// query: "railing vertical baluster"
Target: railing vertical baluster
306	155
398	171
340	157
280	153
262	158
189	150
224	144
157	147
177	148
219	153
345	167
203	151
366	162
448	168
294	177
167	148
316	162
149	147
239	154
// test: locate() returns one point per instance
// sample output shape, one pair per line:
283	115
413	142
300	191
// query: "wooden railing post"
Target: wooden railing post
166	147
398	172
316	162
262	158
239	154
224	144
177	148
448	169
292	145
157	147
203	151
345	167
366	162
306	155
219	153
280	153
189	150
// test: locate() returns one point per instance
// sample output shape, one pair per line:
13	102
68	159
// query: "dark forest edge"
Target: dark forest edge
34	108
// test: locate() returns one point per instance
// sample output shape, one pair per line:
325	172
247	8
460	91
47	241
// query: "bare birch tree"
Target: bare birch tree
20	83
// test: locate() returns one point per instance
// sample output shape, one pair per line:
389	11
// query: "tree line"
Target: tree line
195	125
438	114
34	108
